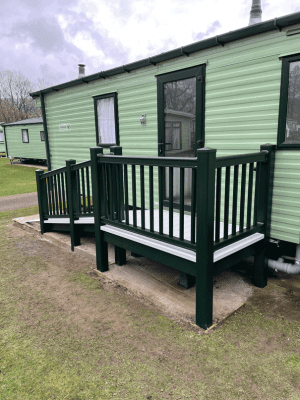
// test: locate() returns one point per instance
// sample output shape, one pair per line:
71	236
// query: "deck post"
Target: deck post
42	197
73	206
120	253
205	184
266	187
264	208
101	245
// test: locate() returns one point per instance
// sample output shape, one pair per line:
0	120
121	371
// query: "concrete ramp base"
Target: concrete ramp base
155	282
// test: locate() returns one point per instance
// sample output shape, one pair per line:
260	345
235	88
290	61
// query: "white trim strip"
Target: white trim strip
179	251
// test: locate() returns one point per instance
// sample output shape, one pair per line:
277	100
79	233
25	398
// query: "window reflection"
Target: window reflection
180	112
292	130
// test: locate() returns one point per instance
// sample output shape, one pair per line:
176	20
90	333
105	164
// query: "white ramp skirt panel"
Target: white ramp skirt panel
82	220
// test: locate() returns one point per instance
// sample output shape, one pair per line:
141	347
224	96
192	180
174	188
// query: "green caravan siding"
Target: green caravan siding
242	93
35	149
242	104
136	95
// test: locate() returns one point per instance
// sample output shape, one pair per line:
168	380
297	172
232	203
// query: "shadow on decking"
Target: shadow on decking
155	282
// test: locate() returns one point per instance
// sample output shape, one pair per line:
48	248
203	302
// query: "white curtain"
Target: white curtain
25	136
1	136
106	120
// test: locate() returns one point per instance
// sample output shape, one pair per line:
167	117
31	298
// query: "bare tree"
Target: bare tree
15	101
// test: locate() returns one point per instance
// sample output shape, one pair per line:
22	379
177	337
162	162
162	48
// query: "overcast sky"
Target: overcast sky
49	38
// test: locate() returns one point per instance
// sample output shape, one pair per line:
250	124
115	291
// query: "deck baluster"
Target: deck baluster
151	211
142	181
161	198
88	189
83	190
234	198
133	174
218	204
242	200
78	191
56	196
52	195
49	196
181	205
256	195
63	192
193	206
104	189
126	194
226	206
171	178
59	193
250	190
110	191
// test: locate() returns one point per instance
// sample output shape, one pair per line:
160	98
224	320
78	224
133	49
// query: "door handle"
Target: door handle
160	147
200	144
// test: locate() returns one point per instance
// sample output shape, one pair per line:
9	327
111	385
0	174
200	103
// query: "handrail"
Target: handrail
80	165
53	172
228	161
182	162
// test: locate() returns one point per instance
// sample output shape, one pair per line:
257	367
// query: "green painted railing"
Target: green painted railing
237	207
230	199
237	188
65	193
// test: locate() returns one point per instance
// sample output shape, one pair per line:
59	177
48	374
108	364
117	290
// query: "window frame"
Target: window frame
43	132
27	135
284	88
105	96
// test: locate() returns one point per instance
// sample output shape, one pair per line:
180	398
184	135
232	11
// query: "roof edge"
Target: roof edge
219	40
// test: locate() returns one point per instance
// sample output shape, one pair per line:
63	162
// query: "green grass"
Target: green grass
15	179
128	351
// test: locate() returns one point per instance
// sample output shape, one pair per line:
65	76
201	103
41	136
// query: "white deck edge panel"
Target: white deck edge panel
82	220
179	251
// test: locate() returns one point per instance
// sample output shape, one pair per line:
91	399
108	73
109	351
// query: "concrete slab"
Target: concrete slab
155	282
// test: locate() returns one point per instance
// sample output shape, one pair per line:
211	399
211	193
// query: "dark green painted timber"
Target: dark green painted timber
197	72
73	203
284	88
98	201
45	130
6	154
110	173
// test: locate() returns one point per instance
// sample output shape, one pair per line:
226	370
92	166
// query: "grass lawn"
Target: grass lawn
15	179
68	334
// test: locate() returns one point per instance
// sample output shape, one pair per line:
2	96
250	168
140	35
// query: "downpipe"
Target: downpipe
280	265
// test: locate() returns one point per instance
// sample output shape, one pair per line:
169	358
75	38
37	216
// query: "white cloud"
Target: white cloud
148	28
105	34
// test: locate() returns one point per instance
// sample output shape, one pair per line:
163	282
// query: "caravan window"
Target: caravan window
106	119
1	136
25	136
42	136
289	112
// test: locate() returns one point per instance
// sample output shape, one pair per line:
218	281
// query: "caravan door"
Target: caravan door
181	120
